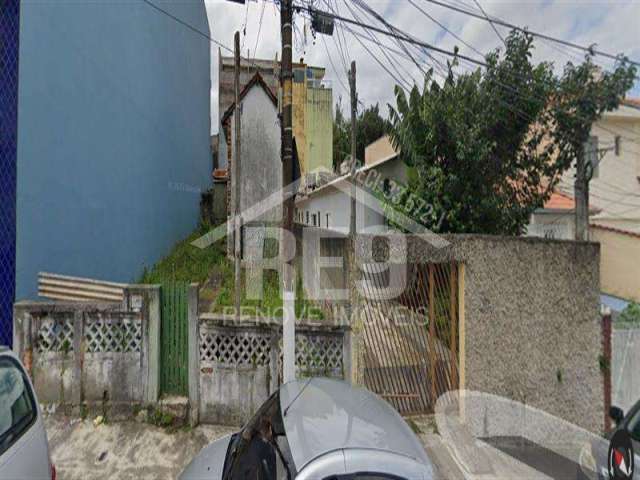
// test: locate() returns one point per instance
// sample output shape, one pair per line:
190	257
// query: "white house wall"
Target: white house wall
260	162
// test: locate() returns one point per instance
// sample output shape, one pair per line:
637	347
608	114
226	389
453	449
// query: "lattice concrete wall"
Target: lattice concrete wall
240	365
81	352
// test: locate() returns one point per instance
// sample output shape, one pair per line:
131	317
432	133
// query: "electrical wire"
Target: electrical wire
491	22
187	25
590	49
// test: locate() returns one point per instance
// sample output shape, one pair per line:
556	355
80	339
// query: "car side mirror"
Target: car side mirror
616	414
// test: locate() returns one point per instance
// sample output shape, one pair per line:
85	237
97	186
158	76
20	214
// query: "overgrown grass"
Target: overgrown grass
188	263
271	302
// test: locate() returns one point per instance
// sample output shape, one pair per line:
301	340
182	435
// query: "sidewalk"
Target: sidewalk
123	451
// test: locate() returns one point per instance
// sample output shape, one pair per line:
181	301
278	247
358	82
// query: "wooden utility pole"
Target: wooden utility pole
287	246
237	172
354	163
581	191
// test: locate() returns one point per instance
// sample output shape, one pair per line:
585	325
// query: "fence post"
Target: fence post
78	357
605	366
153	343
274	353
347	368
193	339
22	336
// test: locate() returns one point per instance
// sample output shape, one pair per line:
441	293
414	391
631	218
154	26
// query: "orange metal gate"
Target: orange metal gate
411	341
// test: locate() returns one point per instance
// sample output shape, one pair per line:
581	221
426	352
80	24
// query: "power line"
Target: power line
591	49
255	48
189	26
490	21
402	37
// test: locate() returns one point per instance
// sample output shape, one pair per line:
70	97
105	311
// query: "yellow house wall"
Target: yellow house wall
619	263
319	129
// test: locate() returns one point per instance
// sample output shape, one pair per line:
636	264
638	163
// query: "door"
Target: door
174	344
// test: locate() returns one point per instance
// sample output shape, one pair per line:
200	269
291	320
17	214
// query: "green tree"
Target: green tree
630	315
369	127
489	146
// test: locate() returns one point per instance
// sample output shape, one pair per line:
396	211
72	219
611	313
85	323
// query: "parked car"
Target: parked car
24	449
317	429
594	460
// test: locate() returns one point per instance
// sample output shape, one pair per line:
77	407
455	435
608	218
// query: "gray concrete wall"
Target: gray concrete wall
625	367
532	321
238	363
89	353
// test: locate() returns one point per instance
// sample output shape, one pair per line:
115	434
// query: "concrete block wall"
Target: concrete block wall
92	353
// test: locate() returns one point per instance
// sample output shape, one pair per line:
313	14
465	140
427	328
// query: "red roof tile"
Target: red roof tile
560	201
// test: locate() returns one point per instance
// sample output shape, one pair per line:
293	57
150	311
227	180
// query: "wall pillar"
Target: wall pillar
150	339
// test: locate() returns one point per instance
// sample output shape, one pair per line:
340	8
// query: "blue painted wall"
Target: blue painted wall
113	141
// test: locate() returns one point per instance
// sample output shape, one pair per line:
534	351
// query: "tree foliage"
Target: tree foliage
369	127
489	146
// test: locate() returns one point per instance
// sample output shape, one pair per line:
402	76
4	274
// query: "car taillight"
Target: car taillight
53	472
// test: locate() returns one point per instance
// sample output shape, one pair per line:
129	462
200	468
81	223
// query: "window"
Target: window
260	450
17	406
307	217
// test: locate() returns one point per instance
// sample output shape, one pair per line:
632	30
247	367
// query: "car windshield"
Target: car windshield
260	450
17	409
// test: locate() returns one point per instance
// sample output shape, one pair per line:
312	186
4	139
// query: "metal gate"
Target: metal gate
174	346
411	341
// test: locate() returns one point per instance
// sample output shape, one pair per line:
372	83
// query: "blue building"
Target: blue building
106	120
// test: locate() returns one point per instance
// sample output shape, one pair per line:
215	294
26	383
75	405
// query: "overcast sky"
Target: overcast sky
612	25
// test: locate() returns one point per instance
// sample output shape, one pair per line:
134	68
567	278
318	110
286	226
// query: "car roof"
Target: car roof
322	415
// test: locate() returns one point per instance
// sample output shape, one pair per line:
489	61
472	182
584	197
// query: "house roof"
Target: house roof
632	102
256	80
563	202
560	201
615	230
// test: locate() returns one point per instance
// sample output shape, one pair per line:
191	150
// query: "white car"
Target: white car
317	429
24	449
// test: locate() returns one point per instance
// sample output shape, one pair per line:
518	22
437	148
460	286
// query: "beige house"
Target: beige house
614	199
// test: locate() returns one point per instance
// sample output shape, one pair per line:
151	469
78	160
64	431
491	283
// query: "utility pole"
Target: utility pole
354	112
581	193
286	152
237	171
586	164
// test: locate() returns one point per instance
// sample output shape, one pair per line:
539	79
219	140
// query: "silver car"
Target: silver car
318	429
24	450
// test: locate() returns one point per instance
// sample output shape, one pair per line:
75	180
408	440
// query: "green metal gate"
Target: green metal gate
174	343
